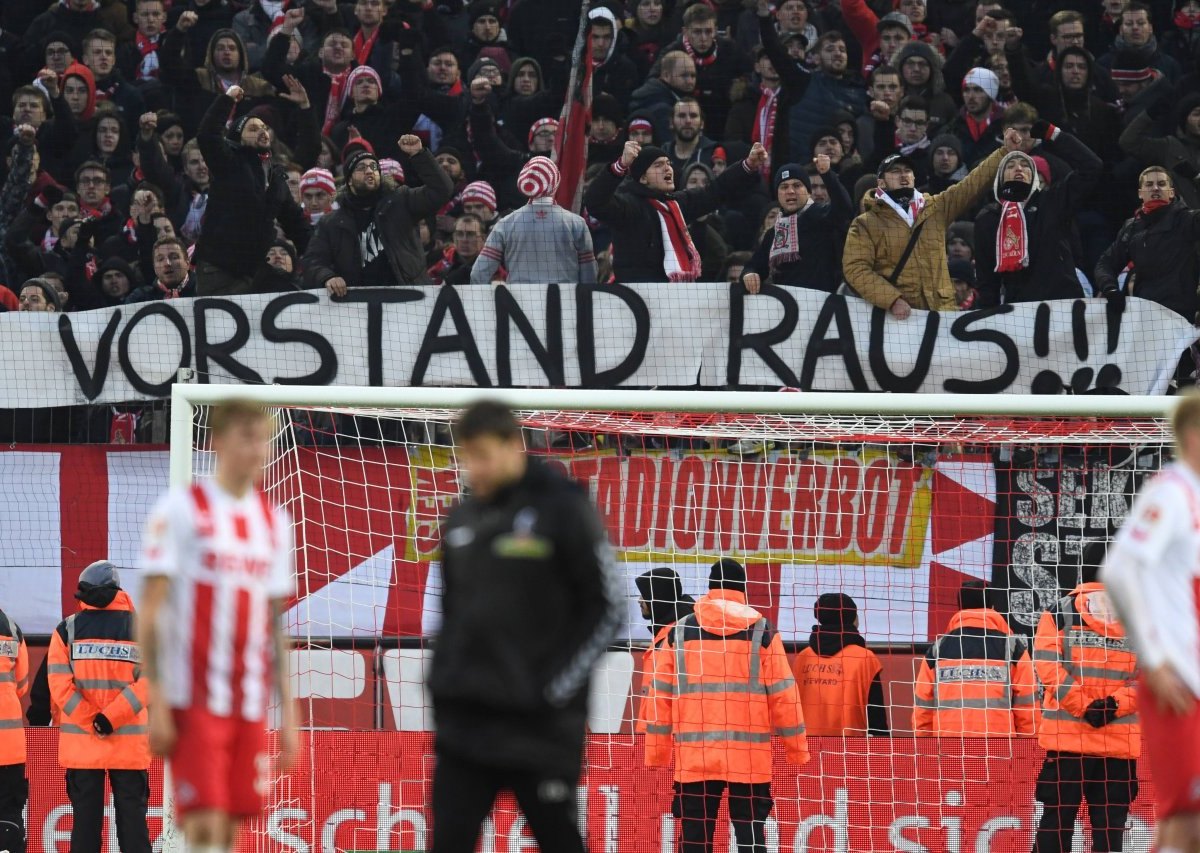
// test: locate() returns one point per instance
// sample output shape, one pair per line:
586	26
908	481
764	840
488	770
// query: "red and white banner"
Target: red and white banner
896	535
370	791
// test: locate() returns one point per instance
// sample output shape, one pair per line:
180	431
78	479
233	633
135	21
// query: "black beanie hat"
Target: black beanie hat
835	610
644	160
727	573
356	151
790	171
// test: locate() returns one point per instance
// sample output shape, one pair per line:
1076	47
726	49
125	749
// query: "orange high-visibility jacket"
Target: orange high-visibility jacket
14	683
834	690
976	681
94	667
720	687
1081	654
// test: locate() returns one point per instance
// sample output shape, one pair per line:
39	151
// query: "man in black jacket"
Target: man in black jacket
376	214
649	219
246	196
1023	241
804	249
529	604
1160	242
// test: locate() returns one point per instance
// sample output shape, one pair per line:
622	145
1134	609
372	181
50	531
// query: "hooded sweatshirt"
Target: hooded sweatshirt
78	69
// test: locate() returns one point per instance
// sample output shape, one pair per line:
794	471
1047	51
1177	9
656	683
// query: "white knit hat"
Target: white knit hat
984	79
539	178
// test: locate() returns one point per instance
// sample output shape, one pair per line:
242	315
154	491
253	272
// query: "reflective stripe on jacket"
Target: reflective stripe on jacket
95	668
14	683
976	681
1082	654
720	688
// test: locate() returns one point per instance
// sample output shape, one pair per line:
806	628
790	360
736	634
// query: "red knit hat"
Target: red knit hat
482	192
539	178
551	123
318	179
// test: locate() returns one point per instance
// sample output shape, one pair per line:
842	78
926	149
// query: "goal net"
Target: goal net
894	510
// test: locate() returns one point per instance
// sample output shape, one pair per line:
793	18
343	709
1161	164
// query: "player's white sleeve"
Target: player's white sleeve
1135	561
162	535
282	579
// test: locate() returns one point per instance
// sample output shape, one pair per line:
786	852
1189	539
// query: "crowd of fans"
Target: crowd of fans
955	153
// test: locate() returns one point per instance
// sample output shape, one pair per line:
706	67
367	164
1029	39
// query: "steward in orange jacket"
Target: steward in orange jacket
838	676
720	688
14	786
977	680
99	697
663	603
1089	727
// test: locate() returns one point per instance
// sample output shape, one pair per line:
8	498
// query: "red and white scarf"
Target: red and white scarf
1012	238
129	231
98	212
171	292
681	261
785	248
148	48
764	118
908	213
701	61
333	107
364	46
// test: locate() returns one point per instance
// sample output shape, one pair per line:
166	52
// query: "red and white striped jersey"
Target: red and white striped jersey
227	558
1153	573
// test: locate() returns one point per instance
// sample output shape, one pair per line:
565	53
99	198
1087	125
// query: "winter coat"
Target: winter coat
1154	57
12	199
942	107
713	81
528	608
821	229
877	239
58	18
1162	248
1049	218
636	231
244	200
1086	116
1140	141
197	87
657	100
335	252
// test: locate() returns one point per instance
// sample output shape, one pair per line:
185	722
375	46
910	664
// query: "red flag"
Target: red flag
570	142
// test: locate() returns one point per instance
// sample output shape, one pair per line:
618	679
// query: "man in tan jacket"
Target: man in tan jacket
877	238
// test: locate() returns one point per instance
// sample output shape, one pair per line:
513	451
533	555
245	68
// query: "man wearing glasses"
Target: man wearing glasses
371	239
905	134
92	186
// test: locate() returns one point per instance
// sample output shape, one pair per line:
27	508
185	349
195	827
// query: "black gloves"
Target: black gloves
1116	298
1185	170
1101	712
1158	109
101	725
1042	129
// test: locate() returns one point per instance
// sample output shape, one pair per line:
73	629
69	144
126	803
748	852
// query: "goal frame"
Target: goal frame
185	397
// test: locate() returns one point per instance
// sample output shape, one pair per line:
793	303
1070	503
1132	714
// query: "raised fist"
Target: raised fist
880	111
481	87
26	134
753	282
410	144
1012	37
49	78
629	153
235	92
1013	139
823	163
292	18
186	21
148	123
757	158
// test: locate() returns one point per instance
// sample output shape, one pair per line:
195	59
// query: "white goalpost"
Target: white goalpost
892	499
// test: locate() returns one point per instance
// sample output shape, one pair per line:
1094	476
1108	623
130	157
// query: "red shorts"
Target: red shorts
1172	745
219	763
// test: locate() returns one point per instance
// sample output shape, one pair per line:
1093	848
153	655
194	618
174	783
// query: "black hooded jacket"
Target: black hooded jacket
663	591
1049	218
528	607
1162	247
245	199
636	234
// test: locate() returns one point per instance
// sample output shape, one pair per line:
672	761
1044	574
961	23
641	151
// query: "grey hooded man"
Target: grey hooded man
1023	239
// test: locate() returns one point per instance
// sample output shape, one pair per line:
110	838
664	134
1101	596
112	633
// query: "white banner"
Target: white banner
642	335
